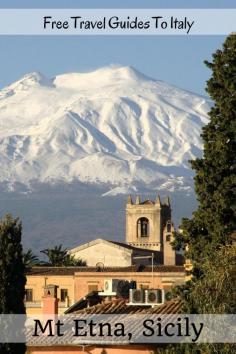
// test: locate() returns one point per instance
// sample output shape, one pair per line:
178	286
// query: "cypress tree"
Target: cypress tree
214	221
12	278
211	231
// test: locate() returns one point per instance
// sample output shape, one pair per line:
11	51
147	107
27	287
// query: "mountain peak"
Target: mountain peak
113	125
32	79
122	72
105	76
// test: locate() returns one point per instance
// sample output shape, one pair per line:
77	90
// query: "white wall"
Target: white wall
109	255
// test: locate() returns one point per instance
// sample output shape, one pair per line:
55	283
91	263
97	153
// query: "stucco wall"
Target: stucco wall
38	282
108	254
81	283
143	279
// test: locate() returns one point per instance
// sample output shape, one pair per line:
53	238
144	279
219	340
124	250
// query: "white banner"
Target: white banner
117	328
117	21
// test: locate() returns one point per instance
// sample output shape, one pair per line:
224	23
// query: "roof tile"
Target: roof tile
72	270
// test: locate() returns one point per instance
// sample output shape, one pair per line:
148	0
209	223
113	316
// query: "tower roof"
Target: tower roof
148	202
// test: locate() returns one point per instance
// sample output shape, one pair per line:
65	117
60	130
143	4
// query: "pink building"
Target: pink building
114	306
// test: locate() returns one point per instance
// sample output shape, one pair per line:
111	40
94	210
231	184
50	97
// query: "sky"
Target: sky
175	59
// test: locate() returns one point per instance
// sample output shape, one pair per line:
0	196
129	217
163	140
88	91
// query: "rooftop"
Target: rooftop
61	271
147	202
117	244
120	306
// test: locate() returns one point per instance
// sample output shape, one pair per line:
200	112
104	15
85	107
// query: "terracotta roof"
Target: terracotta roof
60	271
117	243
120	306
90	299
137	249
52	270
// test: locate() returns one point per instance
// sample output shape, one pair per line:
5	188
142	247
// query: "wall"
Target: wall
81	283
144	279
109	254
38	282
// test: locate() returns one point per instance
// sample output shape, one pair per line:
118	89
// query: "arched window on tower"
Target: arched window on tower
143	227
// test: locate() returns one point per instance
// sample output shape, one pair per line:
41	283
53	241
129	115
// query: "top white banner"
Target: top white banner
117	21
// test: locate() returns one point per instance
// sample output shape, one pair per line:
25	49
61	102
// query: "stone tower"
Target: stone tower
146	221
168	252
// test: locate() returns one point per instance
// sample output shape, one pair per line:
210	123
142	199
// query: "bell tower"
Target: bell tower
145	222
168	237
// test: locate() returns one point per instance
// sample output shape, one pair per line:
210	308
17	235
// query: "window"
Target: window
92	287
28	294
64	294
143	227
168	238
168	227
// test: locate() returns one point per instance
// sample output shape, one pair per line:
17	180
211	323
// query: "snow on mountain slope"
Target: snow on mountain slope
113	125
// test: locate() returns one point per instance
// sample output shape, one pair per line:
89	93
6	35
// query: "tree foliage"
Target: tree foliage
58	256
214	291
209	233
30	259
12	278
214	221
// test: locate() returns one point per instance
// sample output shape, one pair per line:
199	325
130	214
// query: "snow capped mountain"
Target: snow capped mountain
111	126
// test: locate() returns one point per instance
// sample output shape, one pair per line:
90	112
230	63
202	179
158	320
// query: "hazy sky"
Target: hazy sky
177	60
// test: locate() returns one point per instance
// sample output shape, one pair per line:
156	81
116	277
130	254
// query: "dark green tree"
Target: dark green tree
55	255
214	221
74	262
30	259
12	278
209	233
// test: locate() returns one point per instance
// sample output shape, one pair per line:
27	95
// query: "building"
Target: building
148	223
89	344
145	257
149	233
39	277
102	253
76	282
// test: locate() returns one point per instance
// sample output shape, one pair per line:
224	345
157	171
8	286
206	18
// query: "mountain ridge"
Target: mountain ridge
111	126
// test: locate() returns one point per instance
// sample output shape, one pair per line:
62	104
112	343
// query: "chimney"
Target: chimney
50	300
